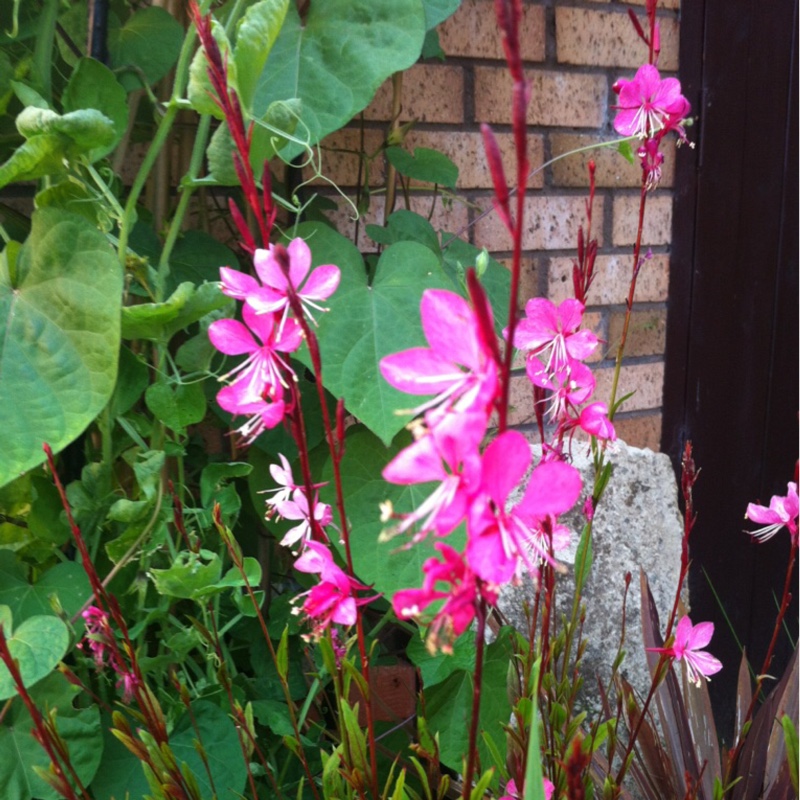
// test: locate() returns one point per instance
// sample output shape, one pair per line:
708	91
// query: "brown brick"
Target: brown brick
661	4
520	400
550	223
657	220
465	149
340	153
645	380
472	31
608	39
647	332
529	278
557	98
640	431
450	219
431	93
611	169
612	280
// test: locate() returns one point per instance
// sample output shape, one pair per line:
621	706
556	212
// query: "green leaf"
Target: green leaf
197	258
150	41
626	151
583	558
385	564
256	33
426	165
406	226
88	129
437	11
790	740
66	581
37	645
39	156
120	774
59	328
534	785
177	406
73	196
93	85
159	321
336	58
200	90
79	728
437	667
269	136
45	520
191	576
367	322
449	704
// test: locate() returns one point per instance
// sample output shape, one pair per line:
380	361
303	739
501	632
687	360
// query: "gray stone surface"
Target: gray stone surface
638	524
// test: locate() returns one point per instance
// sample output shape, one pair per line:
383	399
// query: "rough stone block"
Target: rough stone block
637	525
557	98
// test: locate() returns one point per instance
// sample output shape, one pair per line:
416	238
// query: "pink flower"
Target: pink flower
594	420
263	413
651	159
553	333
568	388
311	289
501	540
446	452
297	509
687	644
261	371
649	106
460	597
333	599
512	793
282	475
782	512
458	367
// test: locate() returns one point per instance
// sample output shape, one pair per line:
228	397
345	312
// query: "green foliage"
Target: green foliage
425	164
59	327
335	59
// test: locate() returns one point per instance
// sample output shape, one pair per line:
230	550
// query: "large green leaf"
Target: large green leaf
37	645
437	11
448	706
59	337
120	774
367	322
335	59
385	564
148	44
79	728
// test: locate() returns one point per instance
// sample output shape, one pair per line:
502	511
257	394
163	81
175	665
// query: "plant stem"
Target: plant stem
480	617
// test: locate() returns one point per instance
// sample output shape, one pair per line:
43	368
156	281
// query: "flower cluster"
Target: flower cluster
268	332
461	368
101	642
649	108
781	512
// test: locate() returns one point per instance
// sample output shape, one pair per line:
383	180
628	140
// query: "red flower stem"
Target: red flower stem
762	675
472	750
637	249
336	458
43	736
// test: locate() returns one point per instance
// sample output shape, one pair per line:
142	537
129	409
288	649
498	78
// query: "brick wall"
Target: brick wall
574	51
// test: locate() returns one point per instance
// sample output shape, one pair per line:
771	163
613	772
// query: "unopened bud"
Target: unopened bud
482	263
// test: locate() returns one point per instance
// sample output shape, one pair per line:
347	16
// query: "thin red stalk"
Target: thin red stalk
38	721
472	749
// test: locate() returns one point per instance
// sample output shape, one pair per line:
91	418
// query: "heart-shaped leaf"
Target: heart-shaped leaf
59	336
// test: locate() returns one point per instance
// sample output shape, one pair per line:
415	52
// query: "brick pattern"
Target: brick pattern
573	53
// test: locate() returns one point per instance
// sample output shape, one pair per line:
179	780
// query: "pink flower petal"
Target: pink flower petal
553	489
231	337
322	282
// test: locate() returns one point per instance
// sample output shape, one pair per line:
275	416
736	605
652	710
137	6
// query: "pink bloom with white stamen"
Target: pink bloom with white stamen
297	509
782	512
687	647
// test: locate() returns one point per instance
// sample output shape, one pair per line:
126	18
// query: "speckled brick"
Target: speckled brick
340	153
612	280
557	98
608	39
657	220
611	169
431	93
531	268
645	380
465	149
520	400
472	32
449	219
550	223
641	430
647	332
661	4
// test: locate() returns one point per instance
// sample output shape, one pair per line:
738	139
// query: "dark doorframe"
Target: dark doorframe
731	380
